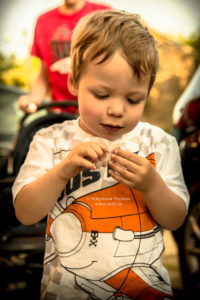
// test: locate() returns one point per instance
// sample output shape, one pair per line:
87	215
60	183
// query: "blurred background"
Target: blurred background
176	27
174	23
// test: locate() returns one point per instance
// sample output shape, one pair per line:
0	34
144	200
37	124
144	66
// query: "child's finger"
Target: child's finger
92	155
124	164
100	150
86	164
120	170
133	157
119	178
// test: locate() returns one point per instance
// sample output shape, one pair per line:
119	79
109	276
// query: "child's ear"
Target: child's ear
71	85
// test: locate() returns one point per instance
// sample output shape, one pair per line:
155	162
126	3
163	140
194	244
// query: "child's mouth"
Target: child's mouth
111	128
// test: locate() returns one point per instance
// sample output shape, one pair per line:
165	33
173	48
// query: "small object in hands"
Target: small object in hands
112	145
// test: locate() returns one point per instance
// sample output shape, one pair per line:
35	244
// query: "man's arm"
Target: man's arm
29	103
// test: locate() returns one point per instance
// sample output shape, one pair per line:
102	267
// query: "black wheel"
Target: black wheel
27	133
189	246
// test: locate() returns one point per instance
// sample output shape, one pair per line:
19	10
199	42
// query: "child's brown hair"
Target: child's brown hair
101	34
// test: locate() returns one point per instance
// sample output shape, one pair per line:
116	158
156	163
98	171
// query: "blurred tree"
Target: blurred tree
15	72
175	71
7	63
194	42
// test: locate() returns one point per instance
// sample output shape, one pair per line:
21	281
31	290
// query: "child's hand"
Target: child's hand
83	156
132	170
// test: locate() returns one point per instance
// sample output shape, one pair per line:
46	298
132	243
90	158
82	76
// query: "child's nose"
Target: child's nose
116	108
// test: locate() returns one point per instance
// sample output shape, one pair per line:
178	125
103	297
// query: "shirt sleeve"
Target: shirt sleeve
170	169
38	161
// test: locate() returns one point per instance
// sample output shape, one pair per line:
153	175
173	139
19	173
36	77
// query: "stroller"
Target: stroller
22	247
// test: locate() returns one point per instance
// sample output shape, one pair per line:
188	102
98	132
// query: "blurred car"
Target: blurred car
187	131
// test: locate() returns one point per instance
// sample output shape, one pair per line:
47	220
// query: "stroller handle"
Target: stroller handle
47	105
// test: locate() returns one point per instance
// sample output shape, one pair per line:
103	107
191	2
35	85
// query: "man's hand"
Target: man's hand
28	103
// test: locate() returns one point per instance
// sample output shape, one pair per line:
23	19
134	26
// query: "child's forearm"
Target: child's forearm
167	208
36	199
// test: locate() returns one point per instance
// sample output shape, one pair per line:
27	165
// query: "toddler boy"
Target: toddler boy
108	182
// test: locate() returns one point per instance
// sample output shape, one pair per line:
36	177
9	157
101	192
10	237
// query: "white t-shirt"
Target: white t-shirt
101	241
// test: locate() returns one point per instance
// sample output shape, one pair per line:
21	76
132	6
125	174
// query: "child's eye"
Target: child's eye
100	96
131	101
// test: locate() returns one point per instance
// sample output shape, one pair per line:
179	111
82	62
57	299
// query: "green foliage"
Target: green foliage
15	72
194	42
7	64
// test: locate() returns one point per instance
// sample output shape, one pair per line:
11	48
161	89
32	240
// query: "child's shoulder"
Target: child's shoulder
152	139
58	129
145	129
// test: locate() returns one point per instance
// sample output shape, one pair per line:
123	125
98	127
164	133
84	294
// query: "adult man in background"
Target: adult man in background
51	44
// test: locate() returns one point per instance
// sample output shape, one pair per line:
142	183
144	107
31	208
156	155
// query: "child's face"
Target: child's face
111	98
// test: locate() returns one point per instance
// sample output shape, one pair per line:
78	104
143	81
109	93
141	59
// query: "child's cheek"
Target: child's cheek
93	112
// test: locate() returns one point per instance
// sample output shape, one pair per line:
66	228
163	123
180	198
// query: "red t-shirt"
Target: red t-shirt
52	39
